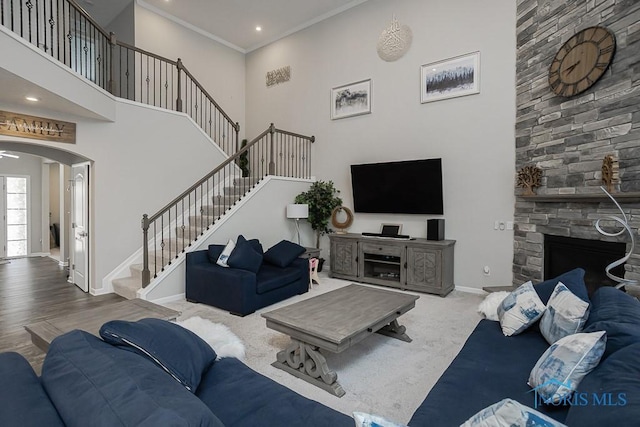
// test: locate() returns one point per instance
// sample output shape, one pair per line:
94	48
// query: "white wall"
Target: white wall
123	25
140	163
261	216
30	166
473	135
219	69
54	192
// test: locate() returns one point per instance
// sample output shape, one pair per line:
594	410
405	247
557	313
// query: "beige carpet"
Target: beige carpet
380	375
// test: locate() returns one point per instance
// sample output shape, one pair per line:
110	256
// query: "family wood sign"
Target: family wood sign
23	126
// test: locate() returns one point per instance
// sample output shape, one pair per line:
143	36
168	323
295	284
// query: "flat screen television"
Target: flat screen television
405	187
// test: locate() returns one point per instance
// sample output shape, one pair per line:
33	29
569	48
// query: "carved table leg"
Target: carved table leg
395	330
306	362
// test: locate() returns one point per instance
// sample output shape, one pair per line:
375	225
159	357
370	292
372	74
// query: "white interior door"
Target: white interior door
80	225
3	219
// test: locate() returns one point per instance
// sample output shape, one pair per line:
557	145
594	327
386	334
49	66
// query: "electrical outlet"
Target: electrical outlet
509	225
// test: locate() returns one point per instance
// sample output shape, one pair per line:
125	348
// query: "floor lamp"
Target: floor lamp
297	211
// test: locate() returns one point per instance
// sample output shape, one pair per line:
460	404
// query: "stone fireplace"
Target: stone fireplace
568	138
538	222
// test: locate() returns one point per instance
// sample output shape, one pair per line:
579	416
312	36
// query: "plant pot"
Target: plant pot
320	263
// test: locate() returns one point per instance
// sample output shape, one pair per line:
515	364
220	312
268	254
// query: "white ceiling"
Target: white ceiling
232	22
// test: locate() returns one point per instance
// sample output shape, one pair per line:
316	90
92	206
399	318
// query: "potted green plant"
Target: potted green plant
243	160
322	198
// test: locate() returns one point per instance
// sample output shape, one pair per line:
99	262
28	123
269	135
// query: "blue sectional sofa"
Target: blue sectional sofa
278	274
491	367
155	373
87	381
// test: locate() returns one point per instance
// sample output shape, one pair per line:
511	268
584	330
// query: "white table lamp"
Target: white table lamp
298	211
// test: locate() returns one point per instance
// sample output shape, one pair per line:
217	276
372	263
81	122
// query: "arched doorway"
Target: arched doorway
62	210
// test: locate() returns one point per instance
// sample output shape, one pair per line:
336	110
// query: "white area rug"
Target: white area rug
218	336
380	375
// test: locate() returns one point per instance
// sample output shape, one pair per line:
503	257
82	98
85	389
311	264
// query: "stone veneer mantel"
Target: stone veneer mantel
567	138
631	197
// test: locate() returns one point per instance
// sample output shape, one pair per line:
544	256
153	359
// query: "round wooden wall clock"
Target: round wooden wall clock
581	61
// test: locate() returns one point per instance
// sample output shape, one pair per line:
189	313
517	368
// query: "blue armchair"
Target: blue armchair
242	291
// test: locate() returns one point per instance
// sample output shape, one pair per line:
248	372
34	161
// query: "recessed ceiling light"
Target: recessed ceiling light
31	98
258	28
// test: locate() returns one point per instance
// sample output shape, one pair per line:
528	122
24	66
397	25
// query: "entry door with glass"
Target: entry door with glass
15	207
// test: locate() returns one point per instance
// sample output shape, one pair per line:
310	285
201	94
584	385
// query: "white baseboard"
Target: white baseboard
469	290
169	299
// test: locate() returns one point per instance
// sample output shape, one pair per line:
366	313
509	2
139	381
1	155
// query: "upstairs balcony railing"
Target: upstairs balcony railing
66	32
170	231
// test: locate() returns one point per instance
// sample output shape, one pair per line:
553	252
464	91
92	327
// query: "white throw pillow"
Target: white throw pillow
520	309
224	256
560	369
488	308
565	314
510	413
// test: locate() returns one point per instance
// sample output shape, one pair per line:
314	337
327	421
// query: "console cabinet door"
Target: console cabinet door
344	257
424	269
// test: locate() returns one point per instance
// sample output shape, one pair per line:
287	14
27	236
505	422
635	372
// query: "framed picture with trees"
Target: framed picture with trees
453	77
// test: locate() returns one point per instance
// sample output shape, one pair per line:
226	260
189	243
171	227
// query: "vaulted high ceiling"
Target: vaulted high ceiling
233	22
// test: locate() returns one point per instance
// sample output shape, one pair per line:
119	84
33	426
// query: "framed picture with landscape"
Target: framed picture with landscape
350	100
450	78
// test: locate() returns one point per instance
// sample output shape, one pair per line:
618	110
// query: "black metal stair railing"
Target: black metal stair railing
66	32
170	231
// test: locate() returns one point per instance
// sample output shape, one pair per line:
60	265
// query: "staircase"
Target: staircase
195	227
60	29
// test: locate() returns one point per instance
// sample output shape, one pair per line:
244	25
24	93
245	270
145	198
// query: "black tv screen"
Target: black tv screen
409	187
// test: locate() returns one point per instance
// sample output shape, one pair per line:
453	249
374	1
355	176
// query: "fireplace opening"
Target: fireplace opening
562	254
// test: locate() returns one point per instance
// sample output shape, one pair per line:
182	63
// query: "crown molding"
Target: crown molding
189	26
307	24
224	42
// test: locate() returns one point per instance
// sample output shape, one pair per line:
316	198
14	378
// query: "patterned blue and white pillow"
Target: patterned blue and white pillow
561	368
509	413
363	419
520	309
566	314
224	256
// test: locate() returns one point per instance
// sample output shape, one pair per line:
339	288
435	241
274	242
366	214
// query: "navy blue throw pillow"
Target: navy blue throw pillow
283	253
244	256
91	382
255	244
180	352
573	280
618	314
213	253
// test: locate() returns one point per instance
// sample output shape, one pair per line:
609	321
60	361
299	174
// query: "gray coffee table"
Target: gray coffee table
335	321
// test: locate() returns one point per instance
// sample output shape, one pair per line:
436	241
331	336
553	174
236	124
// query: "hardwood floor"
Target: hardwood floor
35	289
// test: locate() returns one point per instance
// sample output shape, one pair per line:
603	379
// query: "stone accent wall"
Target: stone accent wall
569	137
